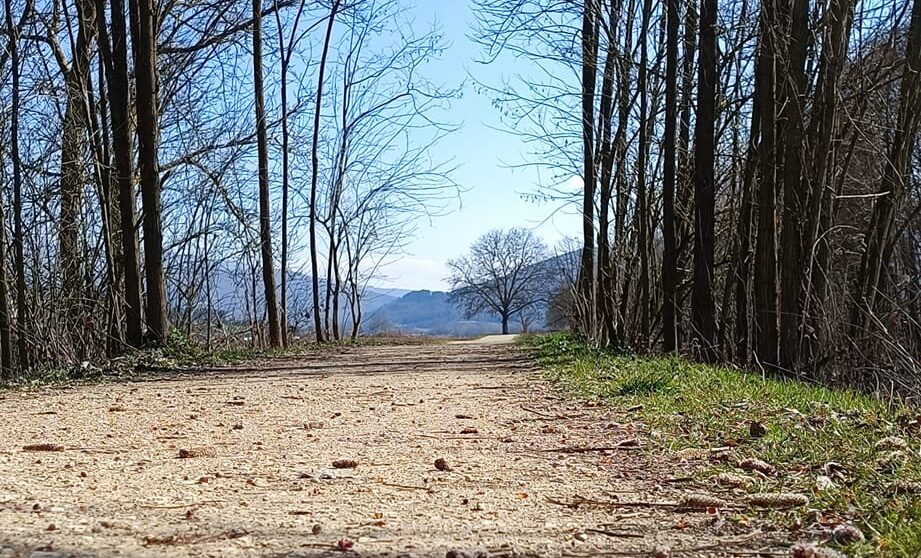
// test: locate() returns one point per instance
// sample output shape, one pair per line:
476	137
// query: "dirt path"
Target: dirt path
259	479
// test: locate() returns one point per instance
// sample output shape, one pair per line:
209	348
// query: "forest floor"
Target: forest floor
413	450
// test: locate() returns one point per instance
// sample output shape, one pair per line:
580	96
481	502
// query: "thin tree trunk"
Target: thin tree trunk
742	245
285	54
265	212
765	292
587	278
314	178
73	151
115	57
703	305
669	228
604	293
99	137
22	309
794	191
643	209
620	276
6	332
144	31
881	233
684	191
746	221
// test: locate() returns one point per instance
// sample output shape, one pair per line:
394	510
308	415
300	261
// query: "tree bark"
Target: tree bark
22	308
669	155
265	212
765	291
605	289
314	177
144	33
587	278
115	57
703	305
73	151
880	235
791	119
6	320
643	205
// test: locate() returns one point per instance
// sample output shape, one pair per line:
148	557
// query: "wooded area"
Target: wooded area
749	171
750	174
150	149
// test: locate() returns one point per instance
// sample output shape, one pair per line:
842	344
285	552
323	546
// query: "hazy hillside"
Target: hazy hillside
230	290
421	312
427	313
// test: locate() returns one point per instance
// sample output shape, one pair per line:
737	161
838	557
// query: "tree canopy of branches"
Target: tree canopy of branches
143	193
506	274
750	173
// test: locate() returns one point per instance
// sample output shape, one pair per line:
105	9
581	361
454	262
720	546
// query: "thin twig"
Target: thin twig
629	444
408	486
179	506
618	534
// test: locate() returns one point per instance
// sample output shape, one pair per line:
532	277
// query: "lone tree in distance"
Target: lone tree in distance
504	274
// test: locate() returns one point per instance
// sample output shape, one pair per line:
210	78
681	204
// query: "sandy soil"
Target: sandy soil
257	478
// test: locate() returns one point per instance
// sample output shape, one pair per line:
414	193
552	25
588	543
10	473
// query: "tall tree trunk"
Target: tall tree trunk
265	212
822	129
703	305
73	152
605	288
621	275
99	136
587	278
115	57
285	52
643	206
22	308
285	181
684	189
794	192
669	225
745	223
765	292
880	236
315	174
6	320
7	325
144	34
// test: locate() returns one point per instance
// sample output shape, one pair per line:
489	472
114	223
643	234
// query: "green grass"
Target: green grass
808	426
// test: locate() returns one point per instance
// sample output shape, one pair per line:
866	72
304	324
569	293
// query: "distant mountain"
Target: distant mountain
234	291
376	297
427	313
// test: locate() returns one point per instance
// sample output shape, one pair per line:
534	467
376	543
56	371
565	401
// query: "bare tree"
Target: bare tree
265	212
504	274
703	303
113	42
670	334
315	161
143	15
22	309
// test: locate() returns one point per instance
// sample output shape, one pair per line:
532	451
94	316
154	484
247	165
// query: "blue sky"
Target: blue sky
493	196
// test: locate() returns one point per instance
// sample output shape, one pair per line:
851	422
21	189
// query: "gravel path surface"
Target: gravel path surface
240	463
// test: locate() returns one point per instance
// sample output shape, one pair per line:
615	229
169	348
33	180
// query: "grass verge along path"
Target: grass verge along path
855	458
